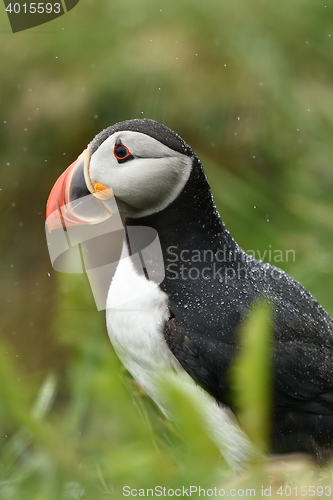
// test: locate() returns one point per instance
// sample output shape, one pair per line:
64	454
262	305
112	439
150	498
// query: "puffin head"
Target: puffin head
141	163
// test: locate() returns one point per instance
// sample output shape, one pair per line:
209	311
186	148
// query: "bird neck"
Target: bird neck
191	221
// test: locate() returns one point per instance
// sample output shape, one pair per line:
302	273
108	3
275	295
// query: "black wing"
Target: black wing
205	359
302	386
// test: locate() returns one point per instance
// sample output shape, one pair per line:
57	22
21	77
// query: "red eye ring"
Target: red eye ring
121	152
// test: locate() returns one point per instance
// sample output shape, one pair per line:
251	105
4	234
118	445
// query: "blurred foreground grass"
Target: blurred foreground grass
91	431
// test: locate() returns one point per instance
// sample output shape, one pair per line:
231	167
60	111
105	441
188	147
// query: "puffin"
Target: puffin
187	322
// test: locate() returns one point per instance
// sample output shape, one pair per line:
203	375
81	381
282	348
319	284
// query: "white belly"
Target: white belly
137	310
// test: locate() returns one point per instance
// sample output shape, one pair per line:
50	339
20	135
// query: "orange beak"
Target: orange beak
74	199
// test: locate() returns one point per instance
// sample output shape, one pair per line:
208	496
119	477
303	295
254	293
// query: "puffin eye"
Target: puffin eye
121	152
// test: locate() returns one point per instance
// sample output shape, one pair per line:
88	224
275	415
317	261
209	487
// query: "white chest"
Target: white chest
136	313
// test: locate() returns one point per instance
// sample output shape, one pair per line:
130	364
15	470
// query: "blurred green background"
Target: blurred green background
249	85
